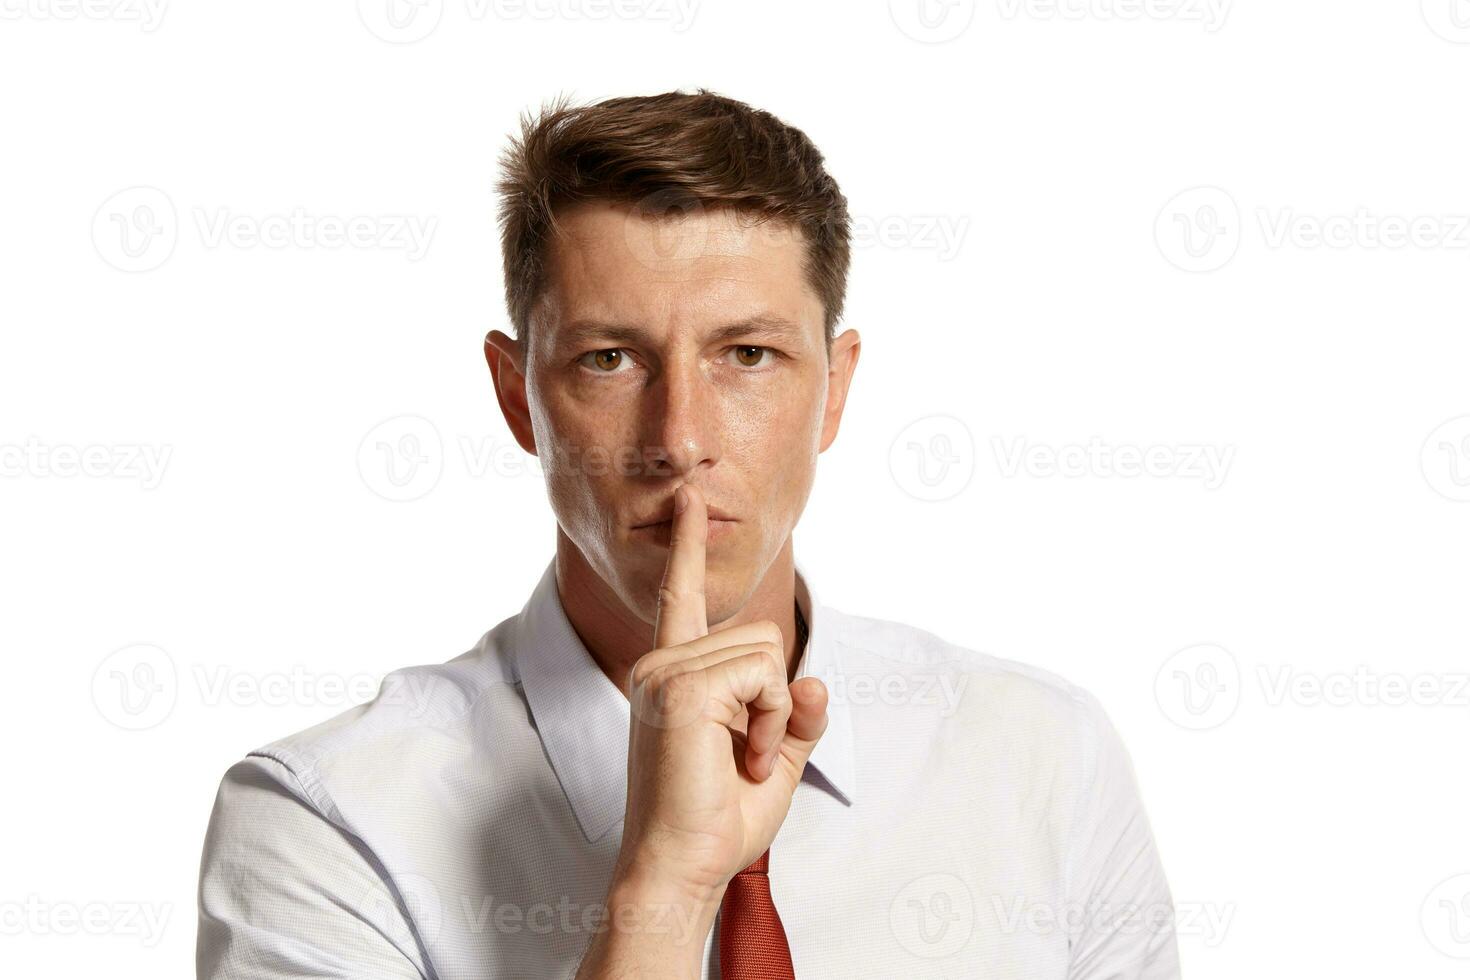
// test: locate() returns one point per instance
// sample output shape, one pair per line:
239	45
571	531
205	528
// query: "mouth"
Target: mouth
661	532
666	516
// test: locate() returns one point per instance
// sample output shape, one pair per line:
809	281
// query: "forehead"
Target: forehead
695	270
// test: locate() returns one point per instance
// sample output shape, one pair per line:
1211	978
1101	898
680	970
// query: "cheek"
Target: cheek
784	422
774	446
581	453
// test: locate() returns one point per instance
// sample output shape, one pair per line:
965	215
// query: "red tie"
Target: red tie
752	940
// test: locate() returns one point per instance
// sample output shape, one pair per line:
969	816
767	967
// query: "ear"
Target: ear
503	355
840	366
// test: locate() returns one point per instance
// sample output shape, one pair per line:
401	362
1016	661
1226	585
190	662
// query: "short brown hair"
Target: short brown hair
679	151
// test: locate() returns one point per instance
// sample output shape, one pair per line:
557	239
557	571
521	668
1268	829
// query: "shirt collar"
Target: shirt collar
582	717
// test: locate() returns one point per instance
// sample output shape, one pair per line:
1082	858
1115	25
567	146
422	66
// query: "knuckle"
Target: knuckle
642	668
682	685
763	660
771	633
770	659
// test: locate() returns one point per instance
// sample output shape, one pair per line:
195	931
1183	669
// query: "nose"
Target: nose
682	431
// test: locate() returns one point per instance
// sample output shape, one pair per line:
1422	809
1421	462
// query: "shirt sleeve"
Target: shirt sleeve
286	892
1122	925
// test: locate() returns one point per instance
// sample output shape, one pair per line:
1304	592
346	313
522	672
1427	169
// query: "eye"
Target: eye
754	353
605	361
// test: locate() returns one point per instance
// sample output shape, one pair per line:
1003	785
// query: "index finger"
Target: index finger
681	613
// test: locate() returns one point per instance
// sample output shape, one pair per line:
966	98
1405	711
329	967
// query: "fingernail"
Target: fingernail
681	500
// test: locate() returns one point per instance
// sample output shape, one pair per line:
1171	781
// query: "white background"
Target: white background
1182	231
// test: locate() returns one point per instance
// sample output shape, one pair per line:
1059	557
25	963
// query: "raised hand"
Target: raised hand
705	799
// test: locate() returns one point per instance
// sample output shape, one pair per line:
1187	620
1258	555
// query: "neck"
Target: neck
617	630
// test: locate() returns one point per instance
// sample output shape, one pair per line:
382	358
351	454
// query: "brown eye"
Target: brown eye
755	354
607	360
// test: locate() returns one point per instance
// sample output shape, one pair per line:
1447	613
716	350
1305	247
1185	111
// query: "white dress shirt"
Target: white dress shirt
962	816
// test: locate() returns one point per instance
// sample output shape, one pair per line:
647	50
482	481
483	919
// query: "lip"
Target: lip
714	514
662	532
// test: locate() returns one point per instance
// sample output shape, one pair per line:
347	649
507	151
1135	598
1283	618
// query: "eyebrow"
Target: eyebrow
767	324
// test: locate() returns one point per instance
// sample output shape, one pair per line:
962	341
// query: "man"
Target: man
666	765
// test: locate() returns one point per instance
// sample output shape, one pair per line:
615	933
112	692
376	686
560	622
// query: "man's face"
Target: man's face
672	350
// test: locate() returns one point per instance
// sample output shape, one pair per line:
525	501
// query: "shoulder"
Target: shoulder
969	693
867	644
420	714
